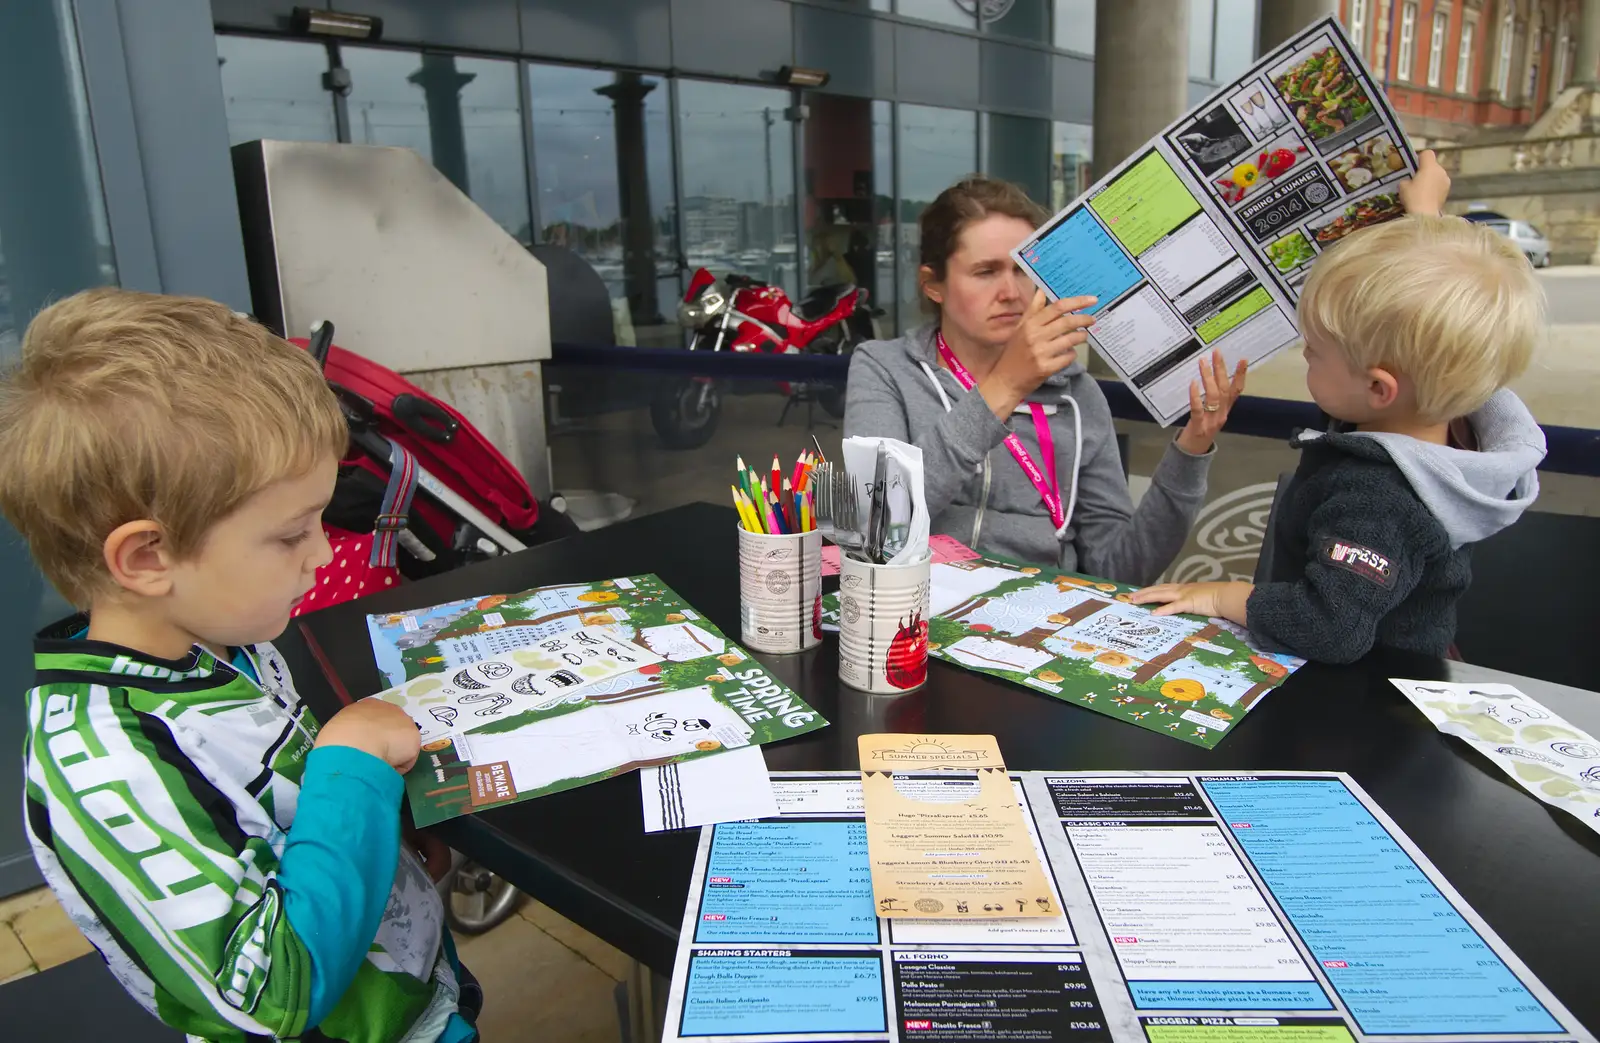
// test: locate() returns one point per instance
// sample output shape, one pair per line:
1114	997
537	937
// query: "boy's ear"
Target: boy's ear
1383	388
932	286
136	556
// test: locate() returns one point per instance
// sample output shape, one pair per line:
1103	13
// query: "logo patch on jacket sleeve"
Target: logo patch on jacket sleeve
1363	561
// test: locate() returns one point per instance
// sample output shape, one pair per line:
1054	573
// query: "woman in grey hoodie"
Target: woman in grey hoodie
997	375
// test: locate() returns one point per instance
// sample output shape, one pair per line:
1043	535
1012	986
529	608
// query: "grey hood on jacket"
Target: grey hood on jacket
978	494
1474	493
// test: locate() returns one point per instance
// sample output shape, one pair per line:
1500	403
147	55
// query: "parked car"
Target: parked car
1528	239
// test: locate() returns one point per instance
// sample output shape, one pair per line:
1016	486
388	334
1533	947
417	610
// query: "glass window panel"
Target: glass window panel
1022	20
937	148
1408	41
1202	25
583	120
1236	47
947	12
1071	153
849	197
1074	28
54	241
1464	56
1441	21
461	114
737	149
1017	148
273	89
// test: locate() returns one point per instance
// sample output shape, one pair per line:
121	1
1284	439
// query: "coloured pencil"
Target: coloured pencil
747	480
821	456
790	514
747	511
774	527
738	505
777	475
805	512
799	469
750	507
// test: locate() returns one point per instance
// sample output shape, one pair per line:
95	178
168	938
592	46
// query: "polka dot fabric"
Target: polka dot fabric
347	576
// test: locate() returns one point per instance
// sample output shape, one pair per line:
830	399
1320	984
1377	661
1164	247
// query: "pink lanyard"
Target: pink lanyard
1051	493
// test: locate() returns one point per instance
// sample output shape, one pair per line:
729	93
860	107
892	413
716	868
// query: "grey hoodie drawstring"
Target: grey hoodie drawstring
1077	443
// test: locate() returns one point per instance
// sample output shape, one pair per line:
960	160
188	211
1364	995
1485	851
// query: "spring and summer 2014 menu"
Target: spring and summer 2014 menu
1202	240
1199	908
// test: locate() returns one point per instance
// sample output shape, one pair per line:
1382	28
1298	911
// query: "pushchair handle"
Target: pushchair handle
320	341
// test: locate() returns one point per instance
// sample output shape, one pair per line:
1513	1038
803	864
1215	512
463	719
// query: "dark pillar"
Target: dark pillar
441	84
46	232
1281	19
627	95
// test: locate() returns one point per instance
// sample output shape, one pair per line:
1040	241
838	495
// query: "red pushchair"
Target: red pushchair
473	503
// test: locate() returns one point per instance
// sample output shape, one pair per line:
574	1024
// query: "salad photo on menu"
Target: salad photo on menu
1291	252
1324	94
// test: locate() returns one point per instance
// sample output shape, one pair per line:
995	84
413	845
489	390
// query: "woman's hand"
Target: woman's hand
1210	399
1227	600
1045	342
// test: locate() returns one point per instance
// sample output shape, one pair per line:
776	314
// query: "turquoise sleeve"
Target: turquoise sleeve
339	863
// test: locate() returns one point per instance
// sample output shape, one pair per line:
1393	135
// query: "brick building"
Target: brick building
1465	71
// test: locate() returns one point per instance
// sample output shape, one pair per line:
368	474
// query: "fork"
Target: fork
837	508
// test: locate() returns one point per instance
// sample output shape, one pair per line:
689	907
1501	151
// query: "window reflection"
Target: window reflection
1202	31
937	148
1017	148
1236	48
461	114
273	89
1074	28
1021	20
849	197
1070	155
946	12
602	150
737	149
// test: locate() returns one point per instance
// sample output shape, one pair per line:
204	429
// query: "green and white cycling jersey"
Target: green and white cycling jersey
240	885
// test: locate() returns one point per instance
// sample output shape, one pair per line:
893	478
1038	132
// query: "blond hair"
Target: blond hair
1450	304
128	406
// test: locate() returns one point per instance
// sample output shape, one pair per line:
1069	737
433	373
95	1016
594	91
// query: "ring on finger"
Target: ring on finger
1210	407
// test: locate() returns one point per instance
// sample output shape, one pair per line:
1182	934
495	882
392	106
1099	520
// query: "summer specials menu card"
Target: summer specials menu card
946	836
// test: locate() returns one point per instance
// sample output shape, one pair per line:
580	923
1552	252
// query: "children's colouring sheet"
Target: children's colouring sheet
1551	758
555	670
1202	240
490	682
1079	639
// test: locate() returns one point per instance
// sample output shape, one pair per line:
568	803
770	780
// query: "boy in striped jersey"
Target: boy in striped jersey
239	867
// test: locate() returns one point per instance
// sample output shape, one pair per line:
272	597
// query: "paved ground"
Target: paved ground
544	978
1573	294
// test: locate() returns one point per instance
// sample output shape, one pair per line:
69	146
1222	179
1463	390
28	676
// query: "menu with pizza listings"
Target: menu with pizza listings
1186	908
1202	240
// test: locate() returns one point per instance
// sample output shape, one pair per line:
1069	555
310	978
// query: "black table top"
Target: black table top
1532	872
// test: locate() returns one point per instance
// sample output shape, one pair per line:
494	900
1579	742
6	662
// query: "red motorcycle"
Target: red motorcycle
743	315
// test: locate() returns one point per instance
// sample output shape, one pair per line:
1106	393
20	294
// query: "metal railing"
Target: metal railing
1572	450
